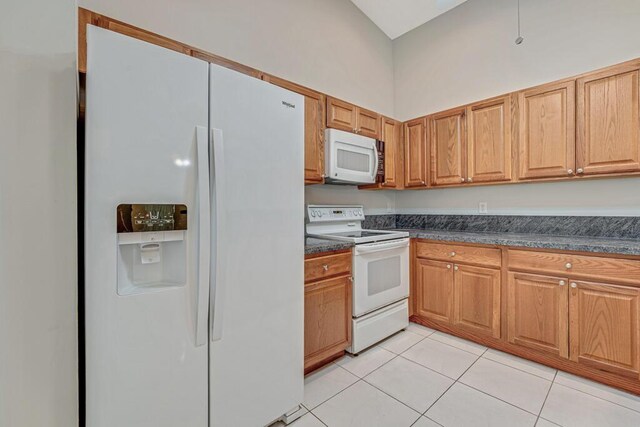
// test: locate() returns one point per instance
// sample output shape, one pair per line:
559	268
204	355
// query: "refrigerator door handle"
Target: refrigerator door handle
204	234
217	283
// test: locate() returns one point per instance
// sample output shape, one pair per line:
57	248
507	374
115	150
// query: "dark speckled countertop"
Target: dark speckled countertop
542	241
313	245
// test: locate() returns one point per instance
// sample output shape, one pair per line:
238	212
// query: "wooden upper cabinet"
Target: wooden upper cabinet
489	140
415	153
447	136
368	123
314	117
434	290
392	131
537	312
477	299
341	115
608	120
546	143
604	327
348	117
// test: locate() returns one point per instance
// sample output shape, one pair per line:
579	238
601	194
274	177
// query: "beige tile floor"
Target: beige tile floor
422	378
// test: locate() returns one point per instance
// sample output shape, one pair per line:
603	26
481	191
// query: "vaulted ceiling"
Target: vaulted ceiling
396	17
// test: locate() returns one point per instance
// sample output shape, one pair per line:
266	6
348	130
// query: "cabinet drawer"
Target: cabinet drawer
608	269
327	266
459	253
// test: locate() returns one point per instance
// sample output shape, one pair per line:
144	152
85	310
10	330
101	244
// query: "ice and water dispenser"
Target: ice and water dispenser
152	251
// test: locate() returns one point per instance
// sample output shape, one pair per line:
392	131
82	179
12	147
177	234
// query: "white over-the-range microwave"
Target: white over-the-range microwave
350	158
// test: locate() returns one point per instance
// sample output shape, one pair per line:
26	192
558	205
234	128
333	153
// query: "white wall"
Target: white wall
469	54
38	283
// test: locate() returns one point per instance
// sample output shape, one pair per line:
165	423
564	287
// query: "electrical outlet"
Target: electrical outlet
482	208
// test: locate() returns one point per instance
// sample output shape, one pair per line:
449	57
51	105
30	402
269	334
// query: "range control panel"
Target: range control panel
324	213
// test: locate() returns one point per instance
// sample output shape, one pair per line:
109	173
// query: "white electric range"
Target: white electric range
380	271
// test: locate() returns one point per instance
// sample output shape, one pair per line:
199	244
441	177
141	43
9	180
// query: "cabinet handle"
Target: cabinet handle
574	285
580	170
326	267
568	265
448	265
562	283
422	182
355	130
452	254
462	179
570	172
455	267
469	180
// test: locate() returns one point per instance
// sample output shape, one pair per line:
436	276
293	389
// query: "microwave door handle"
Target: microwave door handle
376	160
365	249
204	236
217	282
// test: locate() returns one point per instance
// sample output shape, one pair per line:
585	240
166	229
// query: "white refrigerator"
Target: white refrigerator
193	241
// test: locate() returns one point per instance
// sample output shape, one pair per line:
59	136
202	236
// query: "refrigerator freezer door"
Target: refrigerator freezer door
143	367
256	359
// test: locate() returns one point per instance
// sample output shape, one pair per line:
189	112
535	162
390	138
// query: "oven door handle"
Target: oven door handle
367	249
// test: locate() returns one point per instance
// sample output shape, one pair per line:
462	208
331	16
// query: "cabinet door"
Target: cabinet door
368	123
604	327
415	149
537	312
547	131
392	137
341	115
477	299
447	136
608	134
327	319
434	288
489	140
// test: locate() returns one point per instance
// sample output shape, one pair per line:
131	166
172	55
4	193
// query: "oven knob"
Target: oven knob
313	214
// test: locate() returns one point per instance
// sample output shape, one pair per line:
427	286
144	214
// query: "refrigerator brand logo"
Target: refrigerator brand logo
288	105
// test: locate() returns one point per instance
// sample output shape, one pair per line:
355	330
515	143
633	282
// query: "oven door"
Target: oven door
380	275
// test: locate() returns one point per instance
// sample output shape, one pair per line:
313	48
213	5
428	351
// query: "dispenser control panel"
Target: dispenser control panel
135	218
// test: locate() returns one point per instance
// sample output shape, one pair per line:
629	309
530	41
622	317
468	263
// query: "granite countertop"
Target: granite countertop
314	245
527	240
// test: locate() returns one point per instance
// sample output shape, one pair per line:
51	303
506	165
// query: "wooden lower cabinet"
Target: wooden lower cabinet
537	313
327	319
605	327
327	307
572	311
476	299
434	286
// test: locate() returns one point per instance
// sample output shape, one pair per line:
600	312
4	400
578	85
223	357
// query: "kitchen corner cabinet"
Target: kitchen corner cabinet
314	105
351	118
327	308
451	291
392	132
608	120
415	153
546	140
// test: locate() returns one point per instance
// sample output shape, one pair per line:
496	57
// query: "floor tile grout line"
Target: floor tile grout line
431	419
521	370
497	398
547	396
466	351
318	418
394	398
426	367
598	397
590	394
335	394
452	384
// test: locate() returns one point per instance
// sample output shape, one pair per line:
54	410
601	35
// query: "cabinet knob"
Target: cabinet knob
452	254
570	171
469	180
326	267
568	265
574	285
455	267
580	170
355	130
462	179
448	265
422	182
562	283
